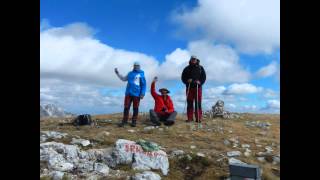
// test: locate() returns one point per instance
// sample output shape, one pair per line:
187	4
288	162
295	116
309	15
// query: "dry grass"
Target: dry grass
181	137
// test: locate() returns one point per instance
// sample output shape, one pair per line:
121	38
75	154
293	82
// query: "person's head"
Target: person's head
193	60
164	91
136	66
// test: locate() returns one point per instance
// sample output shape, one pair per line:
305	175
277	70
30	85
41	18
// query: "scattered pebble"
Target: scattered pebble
245	146
201	154
235	161
106	133
233	153
226	142
261	159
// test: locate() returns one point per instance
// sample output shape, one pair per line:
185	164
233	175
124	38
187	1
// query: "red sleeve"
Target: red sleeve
170	108
153	90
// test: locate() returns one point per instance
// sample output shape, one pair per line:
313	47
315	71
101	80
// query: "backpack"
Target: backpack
84	119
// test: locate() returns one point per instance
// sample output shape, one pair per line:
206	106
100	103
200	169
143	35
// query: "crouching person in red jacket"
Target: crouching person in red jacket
163	108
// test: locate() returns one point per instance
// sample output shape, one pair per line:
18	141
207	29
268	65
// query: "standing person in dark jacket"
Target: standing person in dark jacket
192	76
163	106
136	89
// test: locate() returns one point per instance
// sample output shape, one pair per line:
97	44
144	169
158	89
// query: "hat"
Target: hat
136	63
165	89
193	57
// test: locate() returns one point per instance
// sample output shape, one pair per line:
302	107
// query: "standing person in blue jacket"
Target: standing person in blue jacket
136	88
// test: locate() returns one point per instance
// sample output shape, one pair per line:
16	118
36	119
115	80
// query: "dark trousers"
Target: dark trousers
167	119
192	97
127	103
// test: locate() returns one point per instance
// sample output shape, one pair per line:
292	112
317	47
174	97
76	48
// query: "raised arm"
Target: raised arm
123	78
153	88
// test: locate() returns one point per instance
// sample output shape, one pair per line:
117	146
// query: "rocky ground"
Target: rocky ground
105	151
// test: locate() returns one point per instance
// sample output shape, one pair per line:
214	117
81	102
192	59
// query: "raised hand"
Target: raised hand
155	79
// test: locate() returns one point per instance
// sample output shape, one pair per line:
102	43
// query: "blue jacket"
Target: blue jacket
136	85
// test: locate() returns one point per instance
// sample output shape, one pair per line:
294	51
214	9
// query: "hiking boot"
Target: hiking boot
188	120
156	123
133	123
168	123
122	123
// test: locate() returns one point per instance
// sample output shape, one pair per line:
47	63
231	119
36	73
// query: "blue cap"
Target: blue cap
136	63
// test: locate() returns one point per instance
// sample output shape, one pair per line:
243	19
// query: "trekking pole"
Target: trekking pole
186	99
197	108
198	115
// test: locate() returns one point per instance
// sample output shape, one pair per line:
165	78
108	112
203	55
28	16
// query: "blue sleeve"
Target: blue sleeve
143	84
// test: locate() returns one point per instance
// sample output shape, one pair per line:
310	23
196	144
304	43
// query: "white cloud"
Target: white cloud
174	64
252	26
268	70
215	90
269	93
71	53
244	88
75	30
230	105
273	104
220	62
75	66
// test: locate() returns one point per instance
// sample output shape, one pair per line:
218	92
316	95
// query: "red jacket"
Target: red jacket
160	103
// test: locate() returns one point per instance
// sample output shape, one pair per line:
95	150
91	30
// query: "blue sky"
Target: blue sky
81	40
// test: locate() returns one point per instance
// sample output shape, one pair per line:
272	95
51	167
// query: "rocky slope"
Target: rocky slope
51	110
105	151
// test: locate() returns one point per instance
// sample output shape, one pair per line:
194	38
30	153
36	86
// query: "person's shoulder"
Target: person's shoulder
141	72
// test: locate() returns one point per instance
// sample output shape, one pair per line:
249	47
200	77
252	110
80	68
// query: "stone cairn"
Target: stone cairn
219	111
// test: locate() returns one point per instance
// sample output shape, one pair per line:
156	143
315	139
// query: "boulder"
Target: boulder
67	158
59	157
129	152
